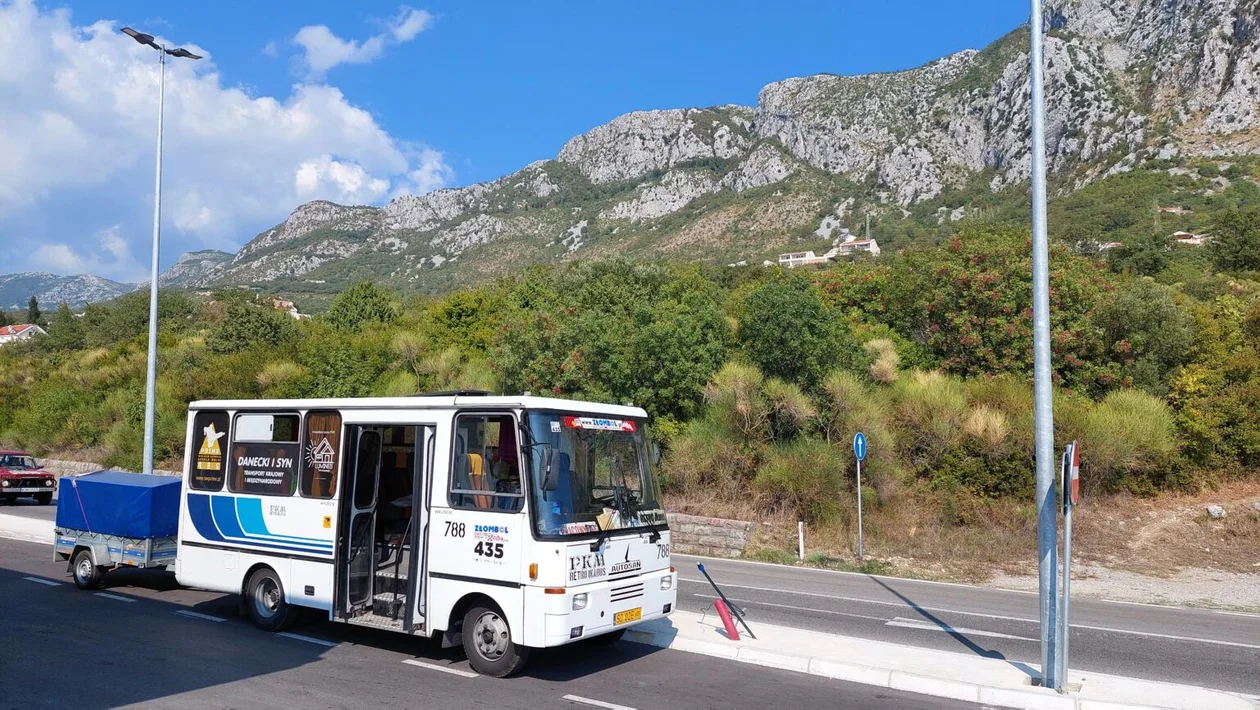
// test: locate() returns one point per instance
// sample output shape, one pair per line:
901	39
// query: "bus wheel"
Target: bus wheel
86	574
265	597
488	643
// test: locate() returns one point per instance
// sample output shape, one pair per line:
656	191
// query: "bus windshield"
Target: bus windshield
599	477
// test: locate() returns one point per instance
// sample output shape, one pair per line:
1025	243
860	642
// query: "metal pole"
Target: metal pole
800	540
1047	528
151	381
859	494
1061	670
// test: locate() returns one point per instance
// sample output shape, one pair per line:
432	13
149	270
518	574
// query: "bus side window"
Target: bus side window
322	454
485	466
264	453
210	430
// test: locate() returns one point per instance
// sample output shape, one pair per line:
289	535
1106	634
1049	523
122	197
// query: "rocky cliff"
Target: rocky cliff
1131	85
51	289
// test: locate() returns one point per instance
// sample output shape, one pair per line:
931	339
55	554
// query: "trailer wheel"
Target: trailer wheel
87	575
264	595
488	643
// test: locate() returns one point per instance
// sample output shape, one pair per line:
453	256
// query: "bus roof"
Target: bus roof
429	402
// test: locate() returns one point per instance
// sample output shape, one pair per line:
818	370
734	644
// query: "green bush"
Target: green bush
789	333
1129	442
806	477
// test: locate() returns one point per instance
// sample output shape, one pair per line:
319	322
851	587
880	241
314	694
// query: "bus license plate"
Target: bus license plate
625	617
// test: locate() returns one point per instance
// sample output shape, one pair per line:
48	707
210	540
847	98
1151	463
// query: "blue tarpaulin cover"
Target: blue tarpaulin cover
123	504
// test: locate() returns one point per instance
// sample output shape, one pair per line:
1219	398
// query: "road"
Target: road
143	640
28	508
1198	647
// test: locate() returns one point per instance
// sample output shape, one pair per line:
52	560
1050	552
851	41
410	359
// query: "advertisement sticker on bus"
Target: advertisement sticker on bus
598	424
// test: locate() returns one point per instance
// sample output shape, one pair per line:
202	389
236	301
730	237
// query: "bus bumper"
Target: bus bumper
610	606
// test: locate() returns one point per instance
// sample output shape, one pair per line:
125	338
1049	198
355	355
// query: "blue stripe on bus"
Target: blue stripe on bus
204	522
250	512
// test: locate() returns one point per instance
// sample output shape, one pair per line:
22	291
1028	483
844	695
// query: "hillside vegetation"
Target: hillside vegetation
756	378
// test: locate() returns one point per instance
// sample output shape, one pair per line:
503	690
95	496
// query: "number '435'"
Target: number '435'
489	549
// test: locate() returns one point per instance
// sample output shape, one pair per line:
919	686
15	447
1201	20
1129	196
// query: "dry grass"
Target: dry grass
885	360
910	536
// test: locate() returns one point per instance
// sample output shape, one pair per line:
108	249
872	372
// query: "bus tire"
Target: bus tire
87	575
264	595
488	643
607	639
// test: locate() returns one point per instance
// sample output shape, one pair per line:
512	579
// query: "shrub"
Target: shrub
806	477
1146	331
1129	441
787	332
931	408
361	305
886	360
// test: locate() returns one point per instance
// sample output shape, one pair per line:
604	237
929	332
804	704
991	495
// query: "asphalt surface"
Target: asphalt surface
143	640
28	508
1214	649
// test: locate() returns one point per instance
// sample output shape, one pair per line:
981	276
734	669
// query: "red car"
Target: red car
20	475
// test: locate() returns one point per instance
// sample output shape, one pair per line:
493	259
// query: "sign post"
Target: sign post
1071	487
859	451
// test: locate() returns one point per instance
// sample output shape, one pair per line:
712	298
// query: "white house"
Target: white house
802	258
1192	239
853	245
23	331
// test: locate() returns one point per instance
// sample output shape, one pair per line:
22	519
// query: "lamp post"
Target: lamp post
151	380
1047	516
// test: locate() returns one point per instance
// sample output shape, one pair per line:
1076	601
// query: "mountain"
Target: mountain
191	267
1132	86
50	290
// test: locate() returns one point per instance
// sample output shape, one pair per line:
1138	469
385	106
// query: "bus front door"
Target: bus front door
360	563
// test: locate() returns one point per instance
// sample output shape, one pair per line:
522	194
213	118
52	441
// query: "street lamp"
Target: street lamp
151	381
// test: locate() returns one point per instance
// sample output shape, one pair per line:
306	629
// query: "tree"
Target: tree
1144	255
362	304
4	318
65	332
246	325
1235	243
789	333
33	315
1146	332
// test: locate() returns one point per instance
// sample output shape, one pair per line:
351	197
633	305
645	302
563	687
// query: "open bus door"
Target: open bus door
383	526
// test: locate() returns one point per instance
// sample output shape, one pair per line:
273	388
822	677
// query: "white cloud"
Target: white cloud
322	50
77	140
112	258
270	49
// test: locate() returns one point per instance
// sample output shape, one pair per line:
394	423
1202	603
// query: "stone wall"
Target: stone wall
715	537
61	468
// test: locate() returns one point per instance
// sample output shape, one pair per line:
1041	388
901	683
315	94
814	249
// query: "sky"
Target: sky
358	102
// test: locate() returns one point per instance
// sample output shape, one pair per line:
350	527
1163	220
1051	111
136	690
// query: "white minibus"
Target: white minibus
499	523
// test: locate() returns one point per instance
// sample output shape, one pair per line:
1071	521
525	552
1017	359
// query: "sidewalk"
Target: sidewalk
939	673
17	527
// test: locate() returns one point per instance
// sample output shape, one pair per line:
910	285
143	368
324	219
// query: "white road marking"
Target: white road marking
116	597
595	703
308	639
800	608
195	615
939	610
929	626
38	580
445	669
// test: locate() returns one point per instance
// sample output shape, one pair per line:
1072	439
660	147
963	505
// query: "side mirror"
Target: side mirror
656	454
551	479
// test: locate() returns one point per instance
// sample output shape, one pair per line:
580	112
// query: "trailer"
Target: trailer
109	520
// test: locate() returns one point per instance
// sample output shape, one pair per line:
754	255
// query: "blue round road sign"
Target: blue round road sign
859	446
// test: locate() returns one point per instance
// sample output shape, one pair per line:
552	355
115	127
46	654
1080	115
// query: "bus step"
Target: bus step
385	604
387	582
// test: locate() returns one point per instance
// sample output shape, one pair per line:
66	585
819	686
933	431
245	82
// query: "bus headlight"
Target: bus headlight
579	601
667	582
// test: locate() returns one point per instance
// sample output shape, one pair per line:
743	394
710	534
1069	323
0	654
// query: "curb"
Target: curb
1031	699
